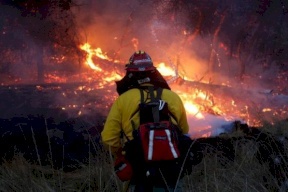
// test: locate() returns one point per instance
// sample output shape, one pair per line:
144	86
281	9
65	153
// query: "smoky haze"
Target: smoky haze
124	27
169	35
119	28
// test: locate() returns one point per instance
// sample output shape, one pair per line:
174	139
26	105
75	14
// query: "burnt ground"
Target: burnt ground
51	120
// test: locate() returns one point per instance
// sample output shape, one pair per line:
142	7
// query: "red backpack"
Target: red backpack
154	151
158	135
154	145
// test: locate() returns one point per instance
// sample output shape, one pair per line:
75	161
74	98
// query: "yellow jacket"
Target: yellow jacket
125	106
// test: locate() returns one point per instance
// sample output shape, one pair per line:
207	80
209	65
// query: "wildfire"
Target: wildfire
113	76
91	53
166	71
191	108
102	71
196	102
110	76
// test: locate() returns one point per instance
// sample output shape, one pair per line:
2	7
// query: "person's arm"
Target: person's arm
112	129
183	123
177	108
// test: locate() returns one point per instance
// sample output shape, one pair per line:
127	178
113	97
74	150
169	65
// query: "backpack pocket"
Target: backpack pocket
158	141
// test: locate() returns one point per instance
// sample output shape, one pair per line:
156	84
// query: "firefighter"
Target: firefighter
123	116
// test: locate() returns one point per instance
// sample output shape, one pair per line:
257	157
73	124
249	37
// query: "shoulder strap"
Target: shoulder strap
155	108
142	95
151	92
159	93
154	99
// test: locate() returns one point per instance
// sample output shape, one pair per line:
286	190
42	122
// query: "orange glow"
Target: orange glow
193	109
113	77
135	43
197	102
93	52
164	70
266	110
108	76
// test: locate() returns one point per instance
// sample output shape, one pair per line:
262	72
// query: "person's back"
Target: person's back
127	106
124	117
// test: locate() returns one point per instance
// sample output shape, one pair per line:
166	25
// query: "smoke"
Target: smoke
113	25
121	27
209	126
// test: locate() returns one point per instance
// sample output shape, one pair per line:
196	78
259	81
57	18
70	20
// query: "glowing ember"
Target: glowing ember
58	59
266	109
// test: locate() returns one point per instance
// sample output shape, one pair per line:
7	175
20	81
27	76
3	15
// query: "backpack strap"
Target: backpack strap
122	133
151	93
142	95
159	93
155	108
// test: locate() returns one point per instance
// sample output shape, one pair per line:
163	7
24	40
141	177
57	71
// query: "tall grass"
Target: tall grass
245	174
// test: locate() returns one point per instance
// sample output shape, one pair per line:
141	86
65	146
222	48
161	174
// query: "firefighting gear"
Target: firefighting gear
140	61
125	118
125	110
157	135
122	167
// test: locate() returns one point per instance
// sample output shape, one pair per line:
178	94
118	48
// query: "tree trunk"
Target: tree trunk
214	44
40	64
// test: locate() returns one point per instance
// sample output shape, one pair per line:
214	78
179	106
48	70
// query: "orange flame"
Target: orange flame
99	54
196	102
93	52
192	109
112	77
166	71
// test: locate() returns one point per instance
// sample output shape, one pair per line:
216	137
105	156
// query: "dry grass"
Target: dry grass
245	174
21	175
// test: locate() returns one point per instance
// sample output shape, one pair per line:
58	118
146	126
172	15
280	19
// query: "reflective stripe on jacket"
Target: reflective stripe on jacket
125	110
